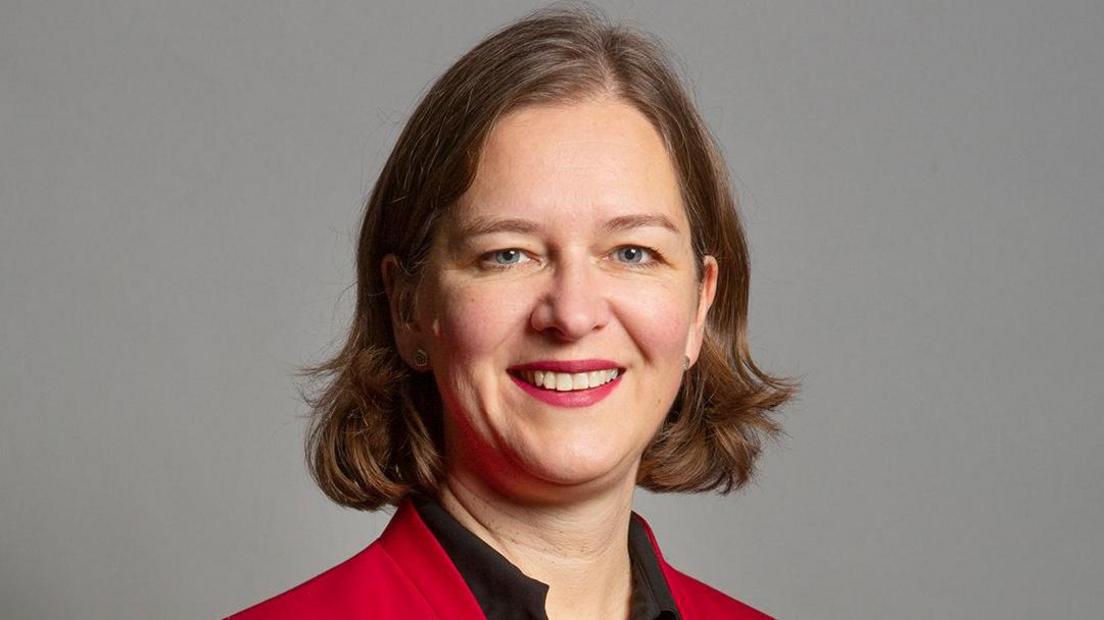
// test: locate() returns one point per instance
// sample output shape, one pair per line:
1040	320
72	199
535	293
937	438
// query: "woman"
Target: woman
551	310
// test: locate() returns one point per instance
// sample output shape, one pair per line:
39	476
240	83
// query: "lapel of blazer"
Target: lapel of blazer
421	558
674	578
698	600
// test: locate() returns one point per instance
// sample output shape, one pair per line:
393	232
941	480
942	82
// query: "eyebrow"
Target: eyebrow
628	222
487	226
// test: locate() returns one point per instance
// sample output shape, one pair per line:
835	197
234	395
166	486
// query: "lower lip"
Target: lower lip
574	398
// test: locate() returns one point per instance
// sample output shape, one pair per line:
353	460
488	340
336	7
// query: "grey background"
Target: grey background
180	186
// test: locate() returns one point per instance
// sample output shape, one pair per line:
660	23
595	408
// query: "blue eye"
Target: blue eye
632	254
512	256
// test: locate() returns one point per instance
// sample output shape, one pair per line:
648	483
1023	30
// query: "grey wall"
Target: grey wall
180	186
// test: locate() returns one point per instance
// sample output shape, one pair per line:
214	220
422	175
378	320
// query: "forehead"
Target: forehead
583	161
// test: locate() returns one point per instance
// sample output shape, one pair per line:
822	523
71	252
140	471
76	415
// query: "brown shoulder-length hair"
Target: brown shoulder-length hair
376	426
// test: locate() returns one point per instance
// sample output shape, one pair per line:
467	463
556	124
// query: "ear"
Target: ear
400	297
707	290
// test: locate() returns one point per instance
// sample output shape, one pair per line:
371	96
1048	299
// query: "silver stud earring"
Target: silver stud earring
685	363
421	358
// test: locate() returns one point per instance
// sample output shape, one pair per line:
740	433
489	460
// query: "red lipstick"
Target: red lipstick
572	398
567	365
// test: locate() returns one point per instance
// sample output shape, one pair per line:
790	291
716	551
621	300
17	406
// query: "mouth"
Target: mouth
567	381
578	383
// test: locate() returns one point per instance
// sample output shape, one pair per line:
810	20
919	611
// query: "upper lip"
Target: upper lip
566	365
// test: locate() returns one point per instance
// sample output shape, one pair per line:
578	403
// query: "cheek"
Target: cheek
471	322
657	317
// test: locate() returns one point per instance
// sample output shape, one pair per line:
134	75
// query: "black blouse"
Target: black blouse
504	592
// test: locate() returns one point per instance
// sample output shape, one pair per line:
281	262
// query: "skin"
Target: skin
551	487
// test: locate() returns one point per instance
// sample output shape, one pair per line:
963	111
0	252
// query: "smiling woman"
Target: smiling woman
551	310
576	195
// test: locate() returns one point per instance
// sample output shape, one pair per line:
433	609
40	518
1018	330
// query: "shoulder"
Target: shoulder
698	600
405	573
365	585
694	598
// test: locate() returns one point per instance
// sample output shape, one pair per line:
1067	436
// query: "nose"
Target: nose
574	304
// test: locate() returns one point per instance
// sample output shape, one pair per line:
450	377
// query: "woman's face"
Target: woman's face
560	301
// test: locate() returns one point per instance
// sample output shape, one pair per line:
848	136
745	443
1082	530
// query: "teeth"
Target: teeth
563	382
566	382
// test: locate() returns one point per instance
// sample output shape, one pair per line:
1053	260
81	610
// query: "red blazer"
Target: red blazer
406	574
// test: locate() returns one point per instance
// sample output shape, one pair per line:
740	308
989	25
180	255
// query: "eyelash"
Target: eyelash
655	258
488	259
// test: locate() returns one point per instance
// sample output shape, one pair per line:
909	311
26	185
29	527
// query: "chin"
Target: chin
576	465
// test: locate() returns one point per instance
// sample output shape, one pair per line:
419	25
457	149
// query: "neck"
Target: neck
580	549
